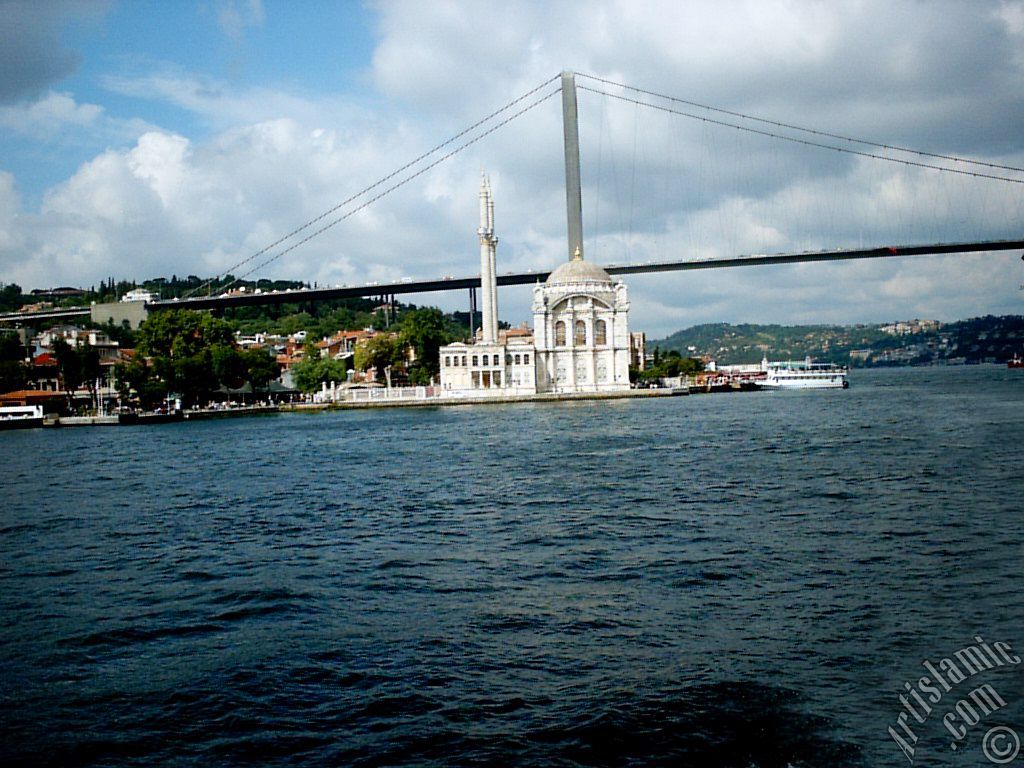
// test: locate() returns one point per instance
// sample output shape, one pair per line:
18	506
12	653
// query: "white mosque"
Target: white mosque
580	340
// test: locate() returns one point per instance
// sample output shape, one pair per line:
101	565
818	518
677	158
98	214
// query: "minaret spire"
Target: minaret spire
488	274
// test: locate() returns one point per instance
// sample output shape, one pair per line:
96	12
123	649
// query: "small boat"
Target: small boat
803	375
21	416
1016	362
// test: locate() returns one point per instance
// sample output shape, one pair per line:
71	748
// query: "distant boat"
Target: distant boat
1016	362
21	416
803	375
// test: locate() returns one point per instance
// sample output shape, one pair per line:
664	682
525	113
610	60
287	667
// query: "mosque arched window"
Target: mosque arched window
518	359
579	336
560	334
600	333
447	362
476	361
526	359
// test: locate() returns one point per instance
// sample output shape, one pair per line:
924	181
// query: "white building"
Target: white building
494	364
580	340
581	330
140	294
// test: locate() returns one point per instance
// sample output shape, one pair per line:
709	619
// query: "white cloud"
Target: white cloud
656	186
58	117
49	114
235	16
32	54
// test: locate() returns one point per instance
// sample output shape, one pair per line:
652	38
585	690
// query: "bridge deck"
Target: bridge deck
526	278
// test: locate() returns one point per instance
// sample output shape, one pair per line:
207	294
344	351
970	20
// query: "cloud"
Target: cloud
48	115
58	117
234	17
946	79
32	57
222	105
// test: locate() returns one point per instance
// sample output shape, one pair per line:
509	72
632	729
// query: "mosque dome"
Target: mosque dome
578	271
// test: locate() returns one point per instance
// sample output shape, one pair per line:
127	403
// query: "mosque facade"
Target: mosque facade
580	340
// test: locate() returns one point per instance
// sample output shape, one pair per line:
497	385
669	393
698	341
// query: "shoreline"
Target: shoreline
207	414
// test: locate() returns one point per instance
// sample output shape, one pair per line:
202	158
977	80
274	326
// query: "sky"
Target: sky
143	139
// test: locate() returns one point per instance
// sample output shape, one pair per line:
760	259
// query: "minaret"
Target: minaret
488	275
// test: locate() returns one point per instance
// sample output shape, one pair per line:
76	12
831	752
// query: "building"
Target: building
64	292
580	340
78	337
638	350
140	294
492	363
581	330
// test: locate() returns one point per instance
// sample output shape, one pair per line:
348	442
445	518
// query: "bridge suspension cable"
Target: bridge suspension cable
393	187
790	126
483	121
805	142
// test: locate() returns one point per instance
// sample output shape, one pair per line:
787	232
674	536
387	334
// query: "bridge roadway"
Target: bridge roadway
529	277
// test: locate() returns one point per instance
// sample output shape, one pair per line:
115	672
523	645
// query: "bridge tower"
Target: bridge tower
573	196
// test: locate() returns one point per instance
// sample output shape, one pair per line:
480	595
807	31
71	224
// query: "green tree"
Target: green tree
193	377
182	333
13	371
11	298
311	373
260	367
90	370
227	365
192	352
378	353
426	331
138	377
69	364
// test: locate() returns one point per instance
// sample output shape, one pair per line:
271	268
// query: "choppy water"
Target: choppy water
727	580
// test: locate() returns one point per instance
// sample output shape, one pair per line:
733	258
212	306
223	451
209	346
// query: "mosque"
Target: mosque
580	340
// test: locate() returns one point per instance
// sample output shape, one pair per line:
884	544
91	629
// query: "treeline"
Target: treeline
411	351
14	372
664	365
190	355
193	355
319	319
981	339
13	297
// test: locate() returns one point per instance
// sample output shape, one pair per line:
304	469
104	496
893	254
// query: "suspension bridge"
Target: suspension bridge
565	84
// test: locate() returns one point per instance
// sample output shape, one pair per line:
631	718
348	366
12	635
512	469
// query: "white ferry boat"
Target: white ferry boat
803	375
21	416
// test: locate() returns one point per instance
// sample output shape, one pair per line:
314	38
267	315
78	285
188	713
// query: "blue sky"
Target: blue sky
140	139
325	48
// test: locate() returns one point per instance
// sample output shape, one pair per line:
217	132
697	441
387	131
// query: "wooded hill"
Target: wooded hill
982	339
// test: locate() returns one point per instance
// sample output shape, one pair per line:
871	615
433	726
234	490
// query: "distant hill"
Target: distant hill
911	342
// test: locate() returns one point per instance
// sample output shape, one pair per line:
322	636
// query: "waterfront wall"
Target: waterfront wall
132	312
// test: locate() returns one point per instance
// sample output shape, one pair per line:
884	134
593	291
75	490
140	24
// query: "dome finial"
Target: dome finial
577	255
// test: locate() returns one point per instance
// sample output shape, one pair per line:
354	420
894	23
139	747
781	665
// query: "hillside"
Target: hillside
912	342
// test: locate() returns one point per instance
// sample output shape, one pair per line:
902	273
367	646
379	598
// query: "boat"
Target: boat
803	375
1016	362
21	416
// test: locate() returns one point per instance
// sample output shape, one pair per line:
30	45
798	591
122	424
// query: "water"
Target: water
725	580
